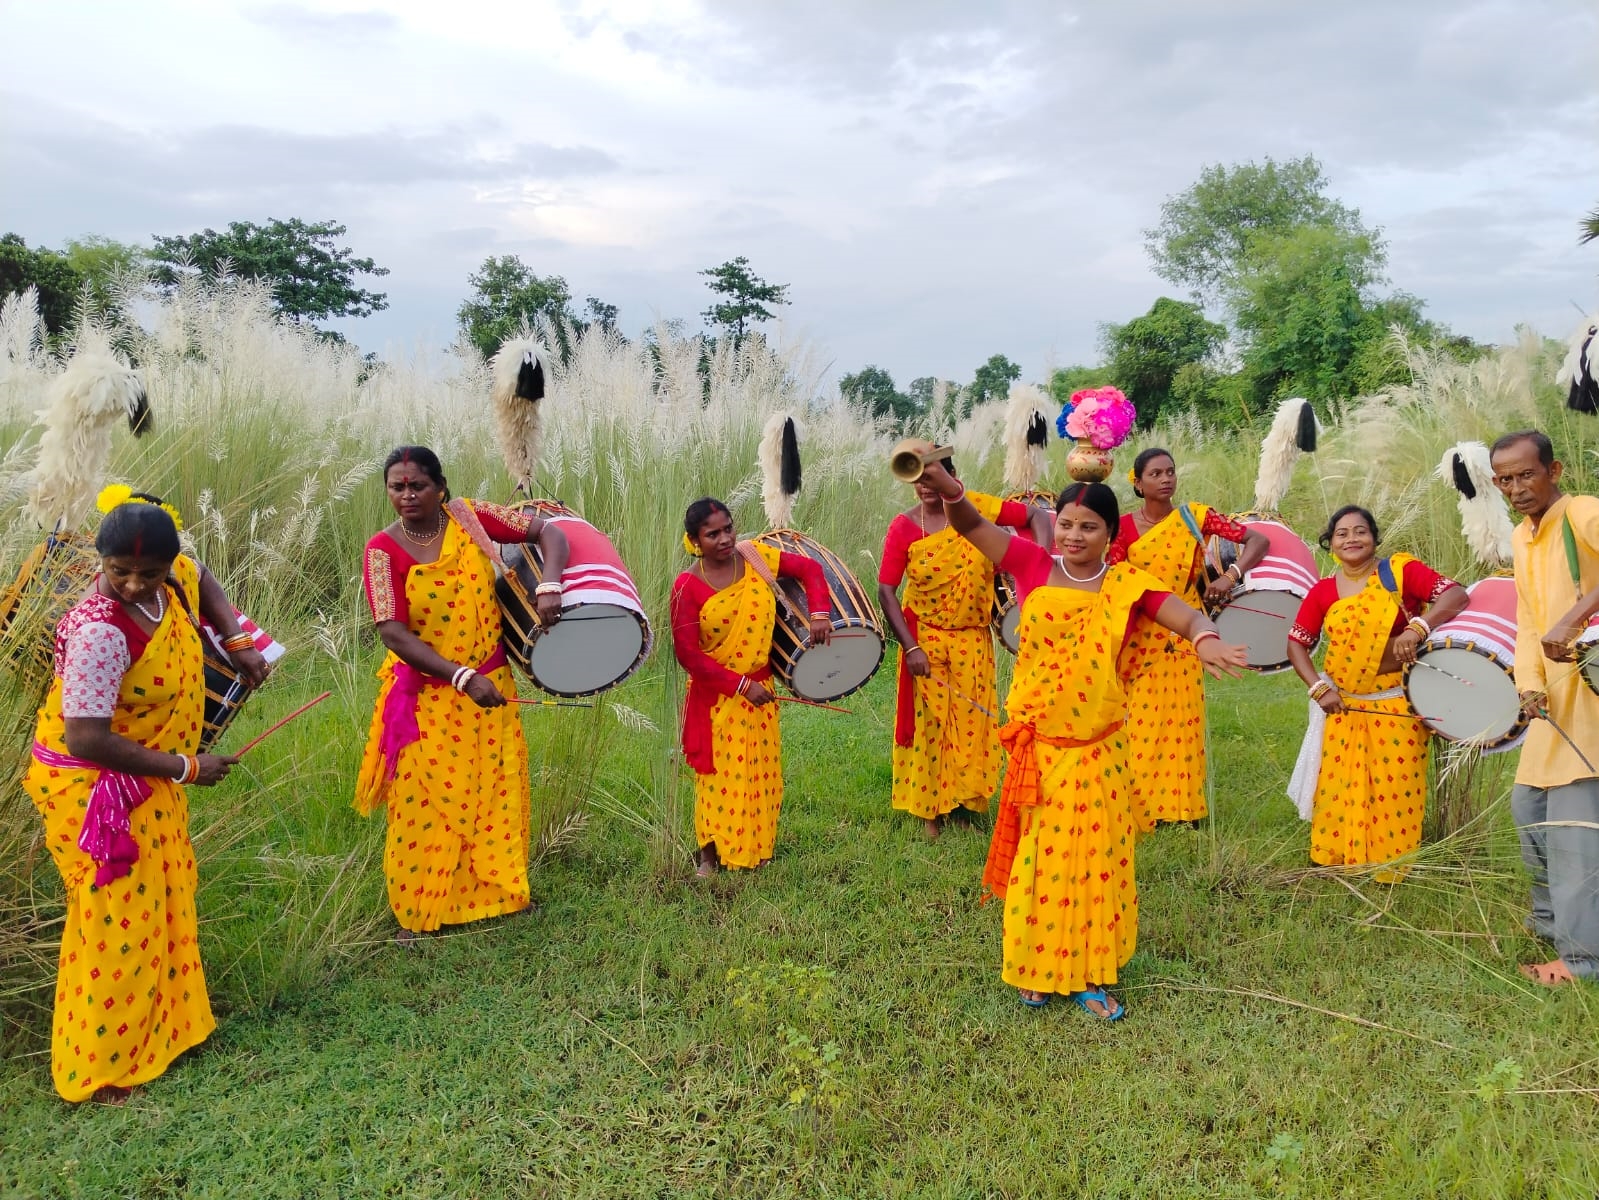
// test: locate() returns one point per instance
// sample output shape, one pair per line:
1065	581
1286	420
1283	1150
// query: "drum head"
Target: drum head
1259	620
838	668
1587	648
592	647
1010	624
1475	701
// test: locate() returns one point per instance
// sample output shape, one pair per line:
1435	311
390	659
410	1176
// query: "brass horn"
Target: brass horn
911	456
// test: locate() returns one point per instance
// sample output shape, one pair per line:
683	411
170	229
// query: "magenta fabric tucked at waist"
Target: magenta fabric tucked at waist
106	835
399	710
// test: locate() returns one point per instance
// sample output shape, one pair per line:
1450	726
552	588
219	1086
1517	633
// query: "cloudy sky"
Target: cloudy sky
936	180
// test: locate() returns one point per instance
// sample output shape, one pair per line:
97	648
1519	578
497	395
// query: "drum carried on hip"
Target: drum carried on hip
603	635
225	689
1260	611
1461	682
1587	648
843	665
1007	614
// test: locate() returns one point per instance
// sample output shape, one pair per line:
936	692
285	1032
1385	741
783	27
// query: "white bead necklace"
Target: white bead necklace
1067	570
160	608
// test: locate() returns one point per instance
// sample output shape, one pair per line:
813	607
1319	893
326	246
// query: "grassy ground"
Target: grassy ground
1288	1034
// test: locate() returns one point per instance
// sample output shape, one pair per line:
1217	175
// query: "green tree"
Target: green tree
1144	355
745	296
311	276
1063	381
991	382
102	261
506	294
597	312
58	282
872	388
1205	236
1589	226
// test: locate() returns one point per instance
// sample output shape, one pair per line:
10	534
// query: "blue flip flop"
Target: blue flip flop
1034	1003
1081	999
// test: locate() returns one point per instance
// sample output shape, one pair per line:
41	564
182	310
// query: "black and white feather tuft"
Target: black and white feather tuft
1484	518
780	469
98	391
1026	437
1292	433
1580	371
518	394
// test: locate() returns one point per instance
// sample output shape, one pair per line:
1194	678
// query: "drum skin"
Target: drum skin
823	673
1462	683
603	635
1006	617
1261	611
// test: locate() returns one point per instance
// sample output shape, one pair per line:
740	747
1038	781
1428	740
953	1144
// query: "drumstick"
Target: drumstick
812	704
1419	662
952	688
1259	612
1566	737
549	703
1377	712
259	738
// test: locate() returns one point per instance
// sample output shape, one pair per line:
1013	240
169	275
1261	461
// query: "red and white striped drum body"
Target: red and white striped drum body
1461	683
1587	647
603	635
852	657
1260	611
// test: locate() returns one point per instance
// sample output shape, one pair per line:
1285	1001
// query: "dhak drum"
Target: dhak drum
1461	683
51	579
603	634
1006	615
843	665
1587	647
1260	610
225	689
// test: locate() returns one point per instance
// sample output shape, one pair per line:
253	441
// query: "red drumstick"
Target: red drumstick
812	704
259	738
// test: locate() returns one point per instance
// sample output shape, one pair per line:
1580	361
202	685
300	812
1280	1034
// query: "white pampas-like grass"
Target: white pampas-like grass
519	421
98	391
1024	464
779	505
1279	451
1484	519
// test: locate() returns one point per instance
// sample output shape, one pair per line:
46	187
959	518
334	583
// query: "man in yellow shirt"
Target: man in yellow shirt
1556	797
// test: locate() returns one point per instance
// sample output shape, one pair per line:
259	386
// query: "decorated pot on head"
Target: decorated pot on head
1098	420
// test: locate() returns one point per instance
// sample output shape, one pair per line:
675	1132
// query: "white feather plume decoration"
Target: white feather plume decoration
518	394
1026	437
780	469
1293	432
98	391
1484	517
1580	370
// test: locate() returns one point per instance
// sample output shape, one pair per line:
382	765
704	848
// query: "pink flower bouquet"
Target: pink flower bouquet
1104	416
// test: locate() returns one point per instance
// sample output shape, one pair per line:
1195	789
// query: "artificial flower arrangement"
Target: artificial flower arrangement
1102	417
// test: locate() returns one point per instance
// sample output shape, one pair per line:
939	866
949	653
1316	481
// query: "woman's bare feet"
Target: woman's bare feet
931	827
112	1094
706	862
1551	974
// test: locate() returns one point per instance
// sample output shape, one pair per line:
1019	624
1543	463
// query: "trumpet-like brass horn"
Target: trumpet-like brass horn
911	456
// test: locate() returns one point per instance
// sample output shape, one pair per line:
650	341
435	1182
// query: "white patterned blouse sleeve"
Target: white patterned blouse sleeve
96	659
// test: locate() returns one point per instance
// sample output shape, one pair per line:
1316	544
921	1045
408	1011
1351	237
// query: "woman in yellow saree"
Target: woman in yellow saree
113	752
1361	779
445	754
1166	698
946	749
1061	858
722	617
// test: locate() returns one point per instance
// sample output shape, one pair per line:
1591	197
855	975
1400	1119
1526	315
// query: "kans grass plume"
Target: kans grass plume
518	394
1484	518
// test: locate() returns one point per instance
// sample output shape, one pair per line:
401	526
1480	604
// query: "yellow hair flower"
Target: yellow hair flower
689	547
117	494
112	495
1132	476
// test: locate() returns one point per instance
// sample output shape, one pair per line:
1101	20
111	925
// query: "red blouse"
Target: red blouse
903	533
1419	586
689	595
387	562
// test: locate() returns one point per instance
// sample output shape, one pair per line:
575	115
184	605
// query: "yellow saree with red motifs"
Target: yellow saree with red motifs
457	841
1371	790
953	759
1070	896
1166	698
738	806
130	993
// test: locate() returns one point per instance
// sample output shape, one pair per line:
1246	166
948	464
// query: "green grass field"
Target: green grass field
1288	1033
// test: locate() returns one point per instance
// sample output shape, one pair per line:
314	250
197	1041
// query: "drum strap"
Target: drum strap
1568	535
1386	577
758	564
473	528
1187	513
